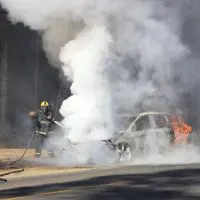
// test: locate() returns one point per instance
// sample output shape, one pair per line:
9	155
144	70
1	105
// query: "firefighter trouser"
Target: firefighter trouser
39	145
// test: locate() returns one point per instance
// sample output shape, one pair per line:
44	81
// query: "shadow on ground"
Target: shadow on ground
180	184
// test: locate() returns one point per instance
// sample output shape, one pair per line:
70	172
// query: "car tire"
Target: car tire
125	152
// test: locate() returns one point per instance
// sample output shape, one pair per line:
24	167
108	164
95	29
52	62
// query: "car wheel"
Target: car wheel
124	152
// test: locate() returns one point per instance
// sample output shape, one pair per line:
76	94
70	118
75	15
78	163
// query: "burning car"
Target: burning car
147	131
142	134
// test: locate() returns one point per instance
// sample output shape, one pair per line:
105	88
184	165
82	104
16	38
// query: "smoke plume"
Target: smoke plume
121	56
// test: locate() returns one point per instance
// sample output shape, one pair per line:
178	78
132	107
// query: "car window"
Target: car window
123	123
143	123
160	121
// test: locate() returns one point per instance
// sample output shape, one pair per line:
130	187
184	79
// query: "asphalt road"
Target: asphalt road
112	183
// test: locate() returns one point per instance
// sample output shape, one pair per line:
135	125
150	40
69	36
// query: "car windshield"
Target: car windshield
122	123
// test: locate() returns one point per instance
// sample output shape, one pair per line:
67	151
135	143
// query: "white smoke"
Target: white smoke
184	154
90	106
116	53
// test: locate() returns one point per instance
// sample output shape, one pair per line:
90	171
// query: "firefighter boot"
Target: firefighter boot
37	155
51	153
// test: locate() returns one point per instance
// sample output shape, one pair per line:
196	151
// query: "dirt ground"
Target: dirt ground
7	153
29	164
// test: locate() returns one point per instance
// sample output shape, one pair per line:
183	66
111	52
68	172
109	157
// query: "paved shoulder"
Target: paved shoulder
142	182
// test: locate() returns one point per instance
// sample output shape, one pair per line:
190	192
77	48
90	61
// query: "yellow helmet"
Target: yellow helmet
44	104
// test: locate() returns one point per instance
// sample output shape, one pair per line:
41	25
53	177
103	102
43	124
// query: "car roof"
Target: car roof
144	113
152	113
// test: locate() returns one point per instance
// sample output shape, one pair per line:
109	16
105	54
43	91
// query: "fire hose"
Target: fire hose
11	164
26	149
28	144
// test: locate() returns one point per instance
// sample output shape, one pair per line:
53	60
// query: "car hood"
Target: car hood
116	136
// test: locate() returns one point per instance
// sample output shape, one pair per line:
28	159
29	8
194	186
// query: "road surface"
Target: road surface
110	183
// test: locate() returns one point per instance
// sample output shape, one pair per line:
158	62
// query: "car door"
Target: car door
140	131
163	131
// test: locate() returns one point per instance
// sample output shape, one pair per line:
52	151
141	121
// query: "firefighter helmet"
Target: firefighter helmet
44	104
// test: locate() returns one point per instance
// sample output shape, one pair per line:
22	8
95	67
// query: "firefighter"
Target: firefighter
43	122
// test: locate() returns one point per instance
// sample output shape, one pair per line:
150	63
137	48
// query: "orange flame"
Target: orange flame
181	129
